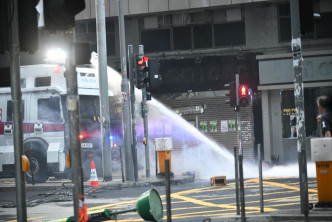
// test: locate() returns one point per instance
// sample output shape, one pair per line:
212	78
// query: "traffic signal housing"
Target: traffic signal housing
153	74
244	96
306	8
141	71
231	93
27	24
60	14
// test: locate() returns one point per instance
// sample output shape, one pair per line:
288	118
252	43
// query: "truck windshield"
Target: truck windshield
89	108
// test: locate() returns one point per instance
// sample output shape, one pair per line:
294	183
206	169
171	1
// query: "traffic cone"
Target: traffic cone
93	176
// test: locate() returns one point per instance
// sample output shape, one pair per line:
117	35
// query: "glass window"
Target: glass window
285	31
110	26
92	26
23	83
110	40
42	81
324	26
202	36
288	112
156	40
284	10
164	21
89	108
230	34
81	27
10	110
49	110
182	38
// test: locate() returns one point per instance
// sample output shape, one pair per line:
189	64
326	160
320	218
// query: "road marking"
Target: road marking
219	189
186	216
29	219
276	199
282	185
208	204
227	209
111	205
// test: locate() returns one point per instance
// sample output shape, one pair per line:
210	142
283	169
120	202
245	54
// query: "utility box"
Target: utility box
321	153
164	147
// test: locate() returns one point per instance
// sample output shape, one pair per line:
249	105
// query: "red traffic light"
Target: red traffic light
243	91
143	60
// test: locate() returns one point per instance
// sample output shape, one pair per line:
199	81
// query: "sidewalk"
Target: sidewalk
316	214
8	184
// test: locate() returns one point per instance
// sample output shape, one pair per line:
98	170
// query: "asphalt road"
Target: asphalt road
190	202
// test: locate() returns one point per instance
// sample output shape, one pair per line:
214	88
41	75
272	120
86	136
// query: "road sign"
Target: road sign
190	110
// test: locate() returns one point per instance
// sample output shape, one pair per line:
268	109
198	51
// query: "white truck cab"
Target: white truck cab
45	119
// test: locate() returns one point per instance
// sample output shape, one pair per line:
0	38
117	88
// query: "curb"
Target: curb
109	185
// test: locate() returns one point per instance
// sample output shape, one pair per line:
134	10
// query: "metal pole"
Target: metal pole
145	110
299	105
260	161
243	210
74	123
103	90
237	196
121	162
196	121
133	108
146	132
238	121
125	96
15	79
168	191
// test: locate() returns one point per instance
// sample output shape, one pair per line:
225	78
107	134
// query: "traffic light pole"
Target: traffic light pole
240	157
125	96
74	124
133	108
103	90
15	78
299	105
145	111
239	128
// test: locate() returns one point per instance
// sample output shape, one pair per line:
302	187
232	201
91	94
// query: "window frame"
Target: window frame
61	119
12	109
212	23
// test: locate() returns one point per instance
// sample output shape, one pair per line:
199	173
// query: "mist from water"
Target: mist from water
196	152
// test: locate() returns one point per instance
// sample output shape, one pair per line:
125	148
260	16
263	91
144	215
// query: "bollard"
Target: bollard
168	190
260	171
243	210
236	161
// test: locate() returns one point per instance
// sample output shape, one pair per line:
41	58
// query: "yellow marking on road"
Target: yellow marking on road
282	185
208	204
29	219
226	207
111	205
212	215
276	199
284	204
224	188
186	216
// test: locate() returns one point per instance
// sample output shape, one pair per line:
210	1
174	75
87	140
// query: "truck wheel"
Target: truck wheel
38	167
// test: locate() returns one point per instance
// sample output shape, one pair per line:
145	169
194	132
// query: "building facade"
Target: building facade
202	44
